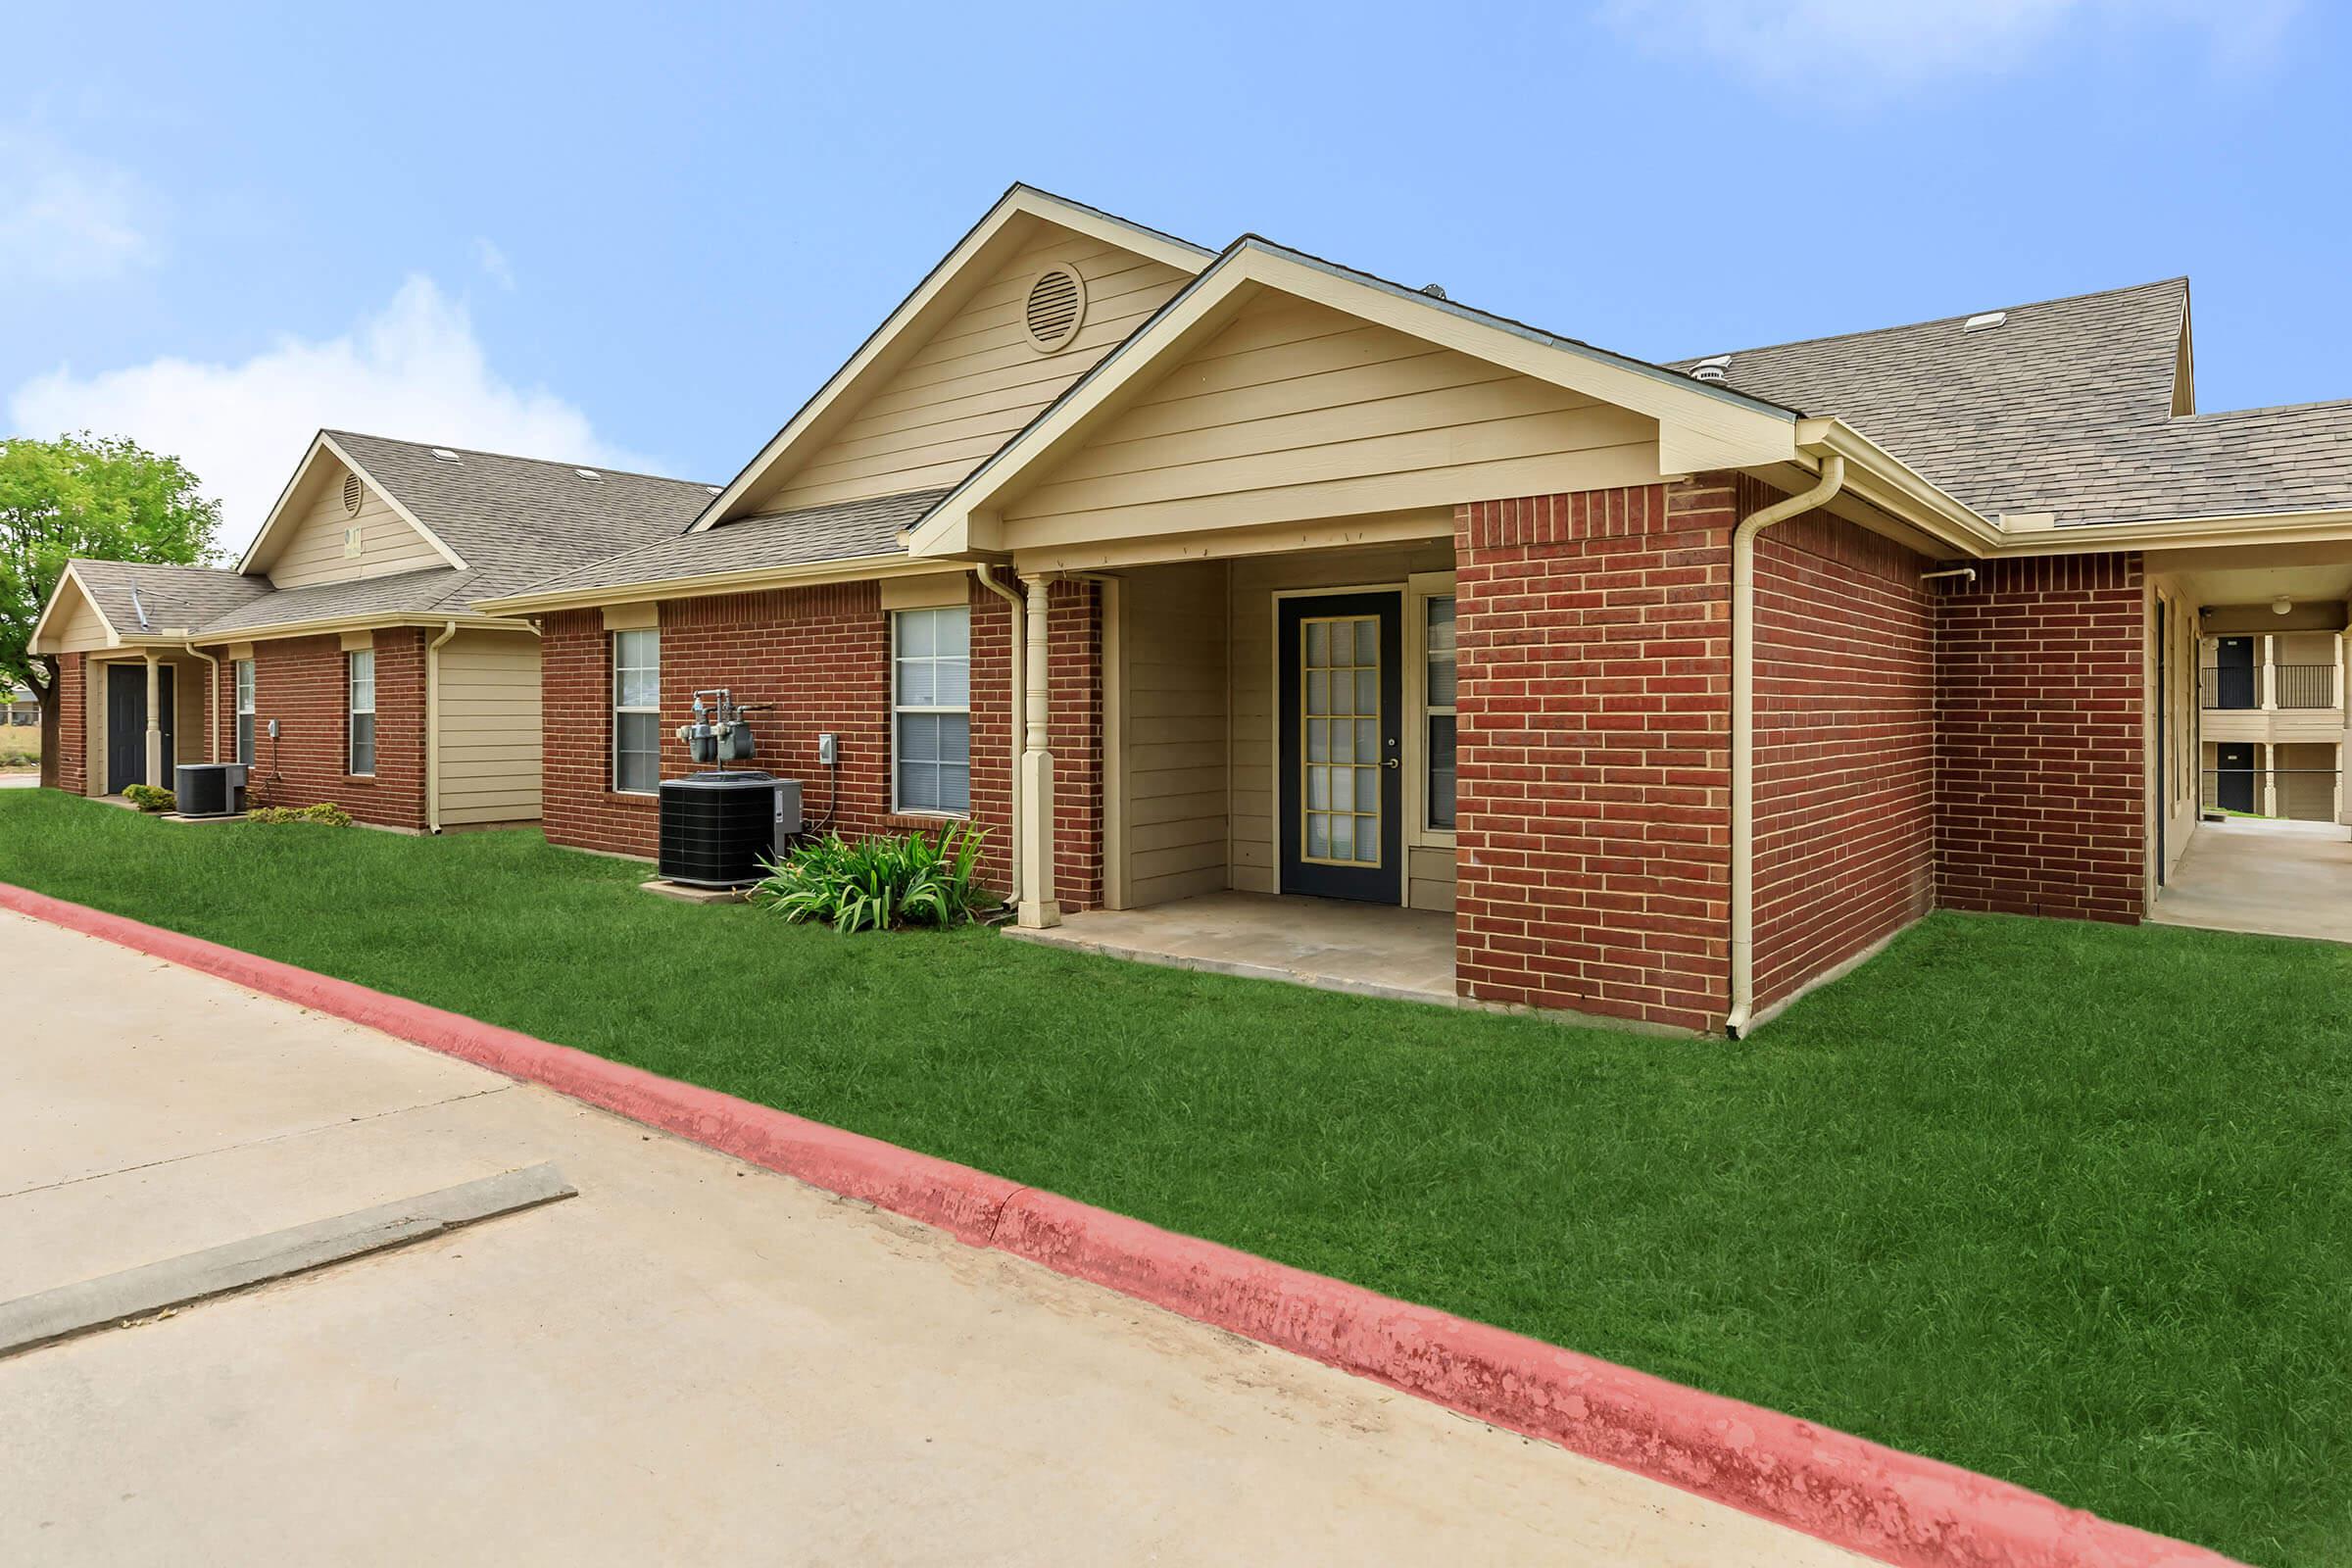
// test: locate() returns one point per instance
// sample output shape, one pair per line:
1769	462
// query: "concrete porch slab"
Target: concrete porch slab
1365	950
2271	878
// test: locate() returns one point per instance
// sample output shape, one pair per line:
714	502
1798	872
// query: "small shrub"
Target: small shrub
878	884
325	814
150	797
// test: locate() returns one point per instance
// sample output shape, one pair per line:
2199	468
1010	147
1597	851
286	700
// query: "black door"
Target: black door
1340	691
2234	791
126	725
2234	673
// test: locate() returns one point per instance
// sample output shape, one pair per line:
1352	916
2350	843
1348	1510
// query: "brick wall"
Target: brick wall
1594	708
1846	744
820	654
72	698
2041	792
303	684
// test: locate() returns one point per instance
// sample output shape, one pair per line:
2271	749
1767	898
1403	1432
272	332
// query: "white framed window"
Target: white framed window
243	672
931	710
362	711
637	712
1438	739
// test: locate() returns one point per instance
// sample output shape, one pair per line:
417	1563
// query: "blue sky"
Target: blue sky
579	232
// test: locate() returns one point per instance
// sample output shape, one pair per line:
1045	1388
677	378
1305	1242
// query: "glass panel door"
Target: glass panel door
1342	784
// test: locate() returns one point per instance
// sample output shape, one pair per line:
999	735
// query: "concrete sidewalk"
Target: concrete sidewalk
693	1360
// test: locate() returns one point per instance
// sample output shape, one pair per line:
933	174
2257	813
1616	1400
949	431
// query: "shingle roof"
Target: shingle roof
433	590
175	597
2001	416
512	519
841	531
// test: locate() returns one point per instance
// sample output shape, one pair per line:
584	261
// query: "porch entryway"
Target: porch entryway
2274	878
1367	949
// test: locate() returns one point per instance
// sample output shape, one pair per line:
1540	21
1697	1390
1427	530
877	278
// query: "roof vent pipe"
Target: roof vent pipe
1436	291
137	607
1983	321
1712	368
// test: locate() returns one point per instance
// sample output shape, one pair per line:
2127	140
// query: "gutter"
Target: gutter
1743	731
432	727
1021	695
211	703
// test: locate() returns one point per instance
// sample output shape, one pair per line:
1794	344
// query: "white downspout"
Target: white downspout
1743	731
212	704
432	727
1019	639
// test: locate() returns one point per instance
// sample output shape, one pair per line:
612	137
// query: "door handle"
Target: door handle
1391	762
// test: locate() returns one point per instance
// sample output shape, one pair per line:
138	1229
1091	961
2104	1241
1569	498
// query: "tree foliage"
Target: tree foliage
101	497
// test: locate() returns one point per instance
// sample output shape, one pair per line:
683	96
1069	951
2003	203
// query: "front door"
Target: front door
126	725
2234	673
1341	692
2234	789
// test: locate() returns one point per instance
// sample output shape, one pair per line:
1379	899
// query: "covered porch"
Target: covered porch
145	712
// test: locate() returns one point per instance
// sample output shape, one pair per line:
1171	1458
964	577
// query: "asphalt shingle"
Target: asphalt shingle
842	531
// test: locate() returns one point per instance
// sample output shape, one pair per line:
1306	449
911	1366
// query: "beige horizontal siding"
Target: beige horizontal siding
489	728
973	384
1295	411
1172	696
85	630
313	552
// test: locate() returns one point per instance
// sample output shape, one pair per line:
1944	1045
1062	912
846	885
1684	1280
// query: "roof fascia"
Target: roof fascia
469	620
1021	201
1894	487
2317	525
1701	426
849	569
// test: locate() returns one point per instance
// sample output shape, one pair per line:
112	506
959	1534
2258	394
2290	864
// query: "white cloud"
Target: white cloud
494	263
65	219
1907	40
415	370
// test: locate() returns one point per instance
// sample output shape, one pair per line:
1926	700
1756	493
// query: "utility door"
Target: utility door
1341	692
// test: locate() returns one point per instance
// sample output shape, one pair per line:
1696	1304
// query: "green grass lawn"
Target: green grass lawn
2071	1204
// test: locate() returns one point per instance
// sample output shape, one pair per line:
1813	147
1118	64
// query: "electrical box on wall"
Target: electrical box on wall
828	749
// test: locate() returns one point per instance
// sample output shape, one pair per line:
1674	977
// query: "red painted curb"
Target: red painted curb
1894	1506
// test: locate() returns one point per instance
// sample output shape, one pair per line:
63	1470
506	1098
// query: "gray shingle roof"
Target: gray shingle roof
175	597
514	519
433	590
841	531
2001	416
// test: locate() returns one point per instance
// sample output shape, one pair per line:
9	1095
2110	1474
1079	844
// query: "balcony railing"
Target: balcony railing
2297	686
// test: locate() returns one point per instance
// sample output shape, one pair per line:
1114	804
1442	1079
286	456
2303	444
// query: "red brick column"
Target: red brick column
72	723
2040	791
1074	657
1846	744
1594	840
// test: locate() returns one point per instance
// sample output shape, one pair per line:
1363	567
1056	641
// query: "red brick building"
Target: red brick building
1267	614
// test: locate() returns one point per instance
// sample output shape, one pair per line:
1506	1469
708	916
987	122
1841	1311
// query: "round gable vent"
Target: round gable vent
351	492
1054	309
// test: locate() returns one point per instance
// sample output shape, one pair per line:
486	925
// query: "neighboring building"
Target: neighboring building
22	709
2273	723
1680	685
349	627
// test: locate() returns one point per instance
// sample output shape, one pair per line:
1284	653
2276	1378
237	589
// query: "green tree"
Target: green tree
100	497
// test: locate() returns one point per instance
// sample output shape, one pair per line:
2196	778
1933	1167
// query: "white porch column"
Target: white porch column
2270	777
155	723
2270	673
1032	834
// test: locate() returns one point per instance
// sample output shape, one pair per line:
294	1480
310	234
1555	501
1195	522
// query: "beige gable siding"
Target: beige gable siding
315	549
1172	704
1255	581
489	728
963	393
82	629
1295	411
